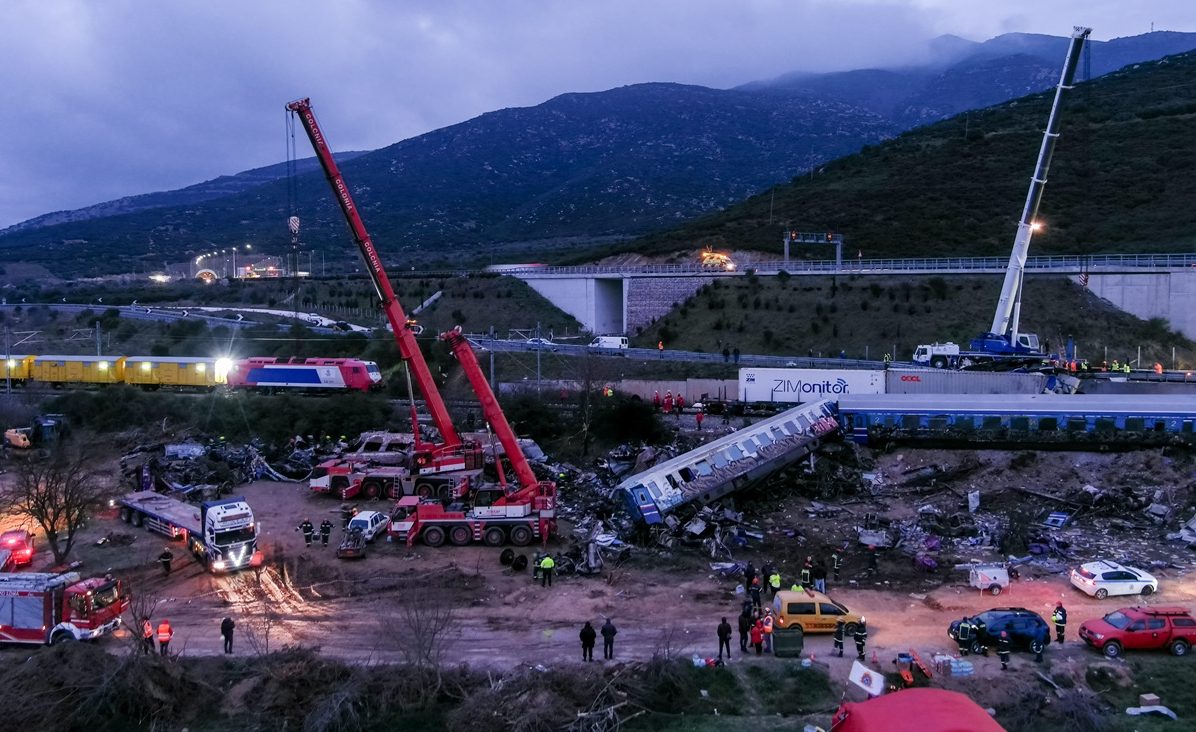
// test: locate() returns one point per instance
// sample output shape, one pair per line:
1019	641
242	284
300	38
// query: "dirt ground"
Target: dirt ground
660	601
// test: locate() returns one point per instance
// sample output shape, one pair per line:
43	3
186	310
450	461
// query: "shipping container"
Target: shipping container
17	368
78	369
157	371
944	381
796	386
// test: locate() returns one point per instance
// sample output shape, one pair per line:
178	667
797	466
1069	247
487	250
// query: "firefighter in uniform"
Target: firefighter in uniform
308	530
836	564
164	559
861	638
1003	650
840	630
325	531
806	568
346	515
147	636
963	636
1059	617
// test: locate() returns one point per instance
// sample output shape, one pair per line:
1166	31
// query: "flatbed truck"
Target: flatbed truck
222	534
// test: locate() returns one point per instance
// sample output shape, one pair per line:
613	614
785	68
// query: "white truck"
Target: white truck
43	608
222	534
619	342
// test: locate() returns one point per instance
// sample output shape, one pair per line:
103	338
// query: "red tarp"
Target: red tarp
914	710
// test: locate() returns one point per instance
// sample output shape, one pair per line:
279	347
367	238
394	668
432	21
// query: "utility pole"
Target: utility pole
7	364
98	351
539	348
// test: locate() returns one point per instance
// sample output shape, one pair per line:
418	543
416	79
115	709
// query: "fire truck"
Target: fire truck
490	515
222	534
45	608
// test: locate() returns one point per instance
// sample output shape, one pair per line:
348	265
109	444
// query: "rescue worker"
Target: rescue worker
165	633
546	565
656	400
308	530
758	637
767	620
608	639
325	531
724	638
735	354
963	636
755	592
680	404
588	635
836	564
1003	650
668	401
1059	618
840	631
745	627
1116	366
147	636
861	638
872	558
774	582
1042	636
806	569
698	418
819	574
226	631
346	515
749	574
164	559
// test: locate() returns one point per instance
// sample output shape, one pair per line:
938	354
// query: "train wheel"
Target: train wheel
460	535
521	536
433	536
494	536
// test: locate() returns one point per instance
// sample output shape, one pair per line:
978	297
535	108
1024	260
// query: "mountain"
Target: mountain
1121	180
581	171
225	185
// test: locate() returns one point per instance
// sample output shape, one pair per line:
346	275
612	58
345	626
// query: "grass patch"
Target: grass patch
790	689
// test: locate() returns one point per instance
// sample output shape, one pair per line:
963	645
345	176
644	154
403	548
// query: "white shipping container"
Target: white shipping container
948	381
795	386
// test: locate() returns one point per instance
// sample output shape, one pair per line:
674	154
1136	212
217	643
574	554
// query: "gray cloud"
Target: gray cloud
109	99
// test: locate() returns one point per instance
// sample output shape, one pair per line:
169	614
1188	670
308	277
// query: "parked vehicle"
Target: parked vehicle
352	546
369	523
539	343
19	542
44	608
1141	628
812	611
992	578
1025	628
609	342
221	534
1103	578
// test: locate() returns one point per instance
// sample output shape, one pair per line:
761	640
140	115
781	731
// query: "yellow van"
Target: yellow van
812	611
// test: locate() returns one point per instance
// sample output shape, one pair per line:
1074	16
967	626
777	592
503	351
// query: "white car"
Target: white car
541	343
371	523
1103	578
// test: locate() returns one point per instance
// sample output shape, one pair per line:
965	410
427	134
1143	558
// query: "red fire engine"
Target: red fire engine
44	608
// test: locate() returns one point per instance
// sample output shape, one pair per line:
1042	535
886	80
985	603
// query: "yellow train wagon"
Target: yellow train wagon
64	370
153	372
16	368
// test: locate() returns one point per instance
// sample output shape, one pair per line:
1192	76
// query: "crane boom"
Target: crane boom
1008	314
399	322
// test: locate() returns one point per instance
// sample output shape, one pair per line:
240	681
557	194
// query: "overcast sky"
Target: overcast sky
109	98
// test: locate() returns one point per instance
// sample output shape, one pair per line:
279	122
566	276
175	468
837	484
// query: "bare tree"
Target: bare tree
423	636
58	494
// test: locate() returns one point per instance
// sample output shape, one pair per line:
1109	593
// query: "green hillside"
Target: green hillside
1121	181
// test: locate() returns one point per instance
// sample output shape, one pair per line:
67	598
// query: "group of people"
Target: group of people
165	633
309	531
669	403
968	631
588	636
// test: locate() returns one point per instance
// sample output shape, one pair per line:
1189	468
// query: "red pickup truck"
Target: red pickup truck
1141	628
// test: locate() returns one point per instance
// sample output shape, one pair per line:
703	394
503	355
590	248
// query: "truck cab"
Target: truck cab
229	540
94	606
42	608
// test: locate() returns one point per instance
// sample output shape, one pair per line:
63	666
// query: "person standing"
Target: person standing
698	418
774	582
165	633
1042	636
680	403
546	566
668	401
745	627
1059	617
308	531
840	633
836	564
724	638
346	516
807	569
819	574
164	560
147	636
768	630
226	631
758	637
735	353
963	635
861	638
726	354
325	531
1003	650
872	558
755	592
749	574
588	635
660	348
656	400
608	639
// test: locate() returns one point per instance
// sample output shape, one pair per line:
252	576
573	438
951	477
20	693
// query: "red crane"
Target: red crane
404	328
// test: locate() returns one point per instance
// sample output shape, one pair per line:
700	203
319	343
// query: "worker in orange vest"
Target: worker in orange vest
1158	368
767	630
147	636
165	633
660	347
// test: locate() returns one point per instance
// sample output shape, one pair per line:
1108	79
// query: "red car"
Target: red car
20	543
1141	628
